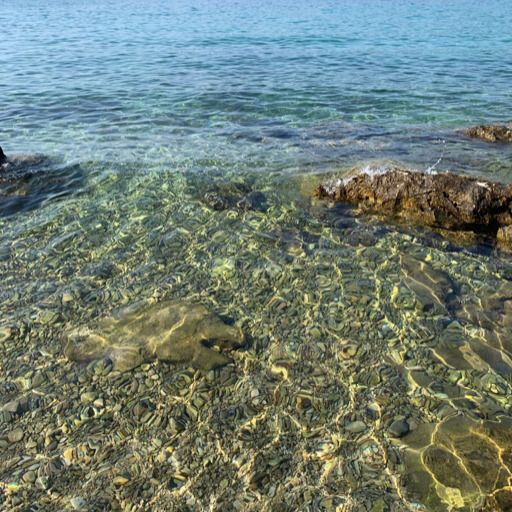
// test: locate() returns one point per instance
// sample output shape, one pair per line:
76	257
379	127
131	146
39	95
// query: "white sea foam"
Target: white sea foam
373	171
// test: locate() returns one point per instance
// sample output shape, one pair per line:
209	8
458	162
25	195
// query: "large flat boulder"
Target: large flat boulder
175	331
445	201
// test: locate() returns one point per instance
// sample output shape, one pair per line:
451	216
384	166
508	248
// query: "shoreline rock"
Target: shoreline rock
444	201
491	133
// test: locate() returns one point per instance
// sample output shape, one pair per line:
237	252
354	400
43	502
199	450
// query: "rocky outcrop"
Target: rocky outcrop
445	201
491	133
3	158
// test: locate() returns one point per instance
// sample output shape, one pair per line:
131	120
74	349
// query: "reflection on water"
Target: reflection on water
377	357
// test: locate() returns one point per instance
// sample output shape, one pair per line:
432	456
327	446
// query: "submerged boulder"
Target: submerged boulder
491	132
26	181
224	195
175	331
461	463
445	201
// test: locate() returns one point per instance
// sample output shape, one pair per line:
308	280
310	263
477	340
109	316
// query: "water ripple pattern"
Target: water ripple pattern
165	154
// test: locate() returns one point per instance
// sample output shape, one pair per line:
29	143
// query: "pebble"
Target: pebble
78	503
42	482
13	407
398	428
303	402
121	480
87	397
15	435
30	477
99	403
356	427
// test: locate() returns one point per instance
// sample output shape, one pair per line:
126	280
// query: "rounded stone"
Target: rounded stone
398	428
356	426
16	435
78	503
30	477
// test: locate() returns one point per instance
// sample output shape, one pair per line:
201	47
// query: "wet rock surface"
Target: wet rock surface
491	133
173	331
445	201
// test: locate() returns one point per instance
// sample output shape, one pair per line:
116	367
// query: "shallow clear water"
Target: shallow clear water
144	113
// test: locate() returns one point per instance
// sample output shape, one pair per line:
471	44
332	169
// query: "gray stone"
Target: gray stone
13	407
30	477
78	503
356	426
16	435
398	428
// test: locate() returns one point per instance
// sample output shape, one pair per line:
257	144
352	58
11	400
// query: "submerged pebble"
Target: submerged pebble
398	428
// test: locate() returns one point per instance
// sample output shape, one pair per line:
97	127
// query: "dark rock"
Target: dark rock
253	201
446	201
26	181
491	133
398	428
30	402
223	195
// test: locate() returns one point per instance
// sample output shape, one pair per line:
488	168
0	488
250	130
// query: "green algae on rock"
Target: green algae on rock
173	331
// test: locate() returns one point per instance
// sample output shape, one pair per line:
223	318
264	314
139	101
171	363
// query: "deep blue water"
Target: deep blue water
169	81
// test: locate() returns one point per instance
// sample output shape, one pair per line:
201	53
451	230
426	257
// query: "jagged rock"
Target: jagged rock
176	331
445	201
491	133
3	158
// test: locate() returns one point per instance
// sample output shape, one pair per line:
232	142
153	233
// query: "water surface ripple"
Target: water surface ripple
172	153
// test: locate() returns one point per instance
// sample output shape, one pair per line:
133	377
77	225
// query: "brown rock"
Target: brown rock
445	201
491	133
504	235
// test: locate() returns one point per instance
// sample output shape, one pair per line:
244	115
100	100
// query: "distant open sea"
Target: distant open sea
173	148
171	82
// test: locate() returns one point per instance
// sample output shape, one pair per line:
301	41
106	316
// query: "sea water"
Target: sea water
132	115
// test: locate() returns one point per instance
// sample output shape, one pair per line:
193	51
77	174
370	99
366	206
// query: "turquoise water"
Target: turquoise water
172	150
167	82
